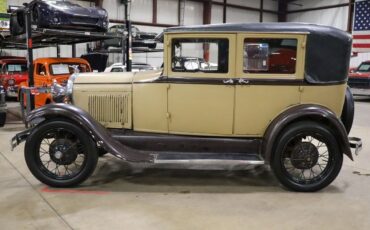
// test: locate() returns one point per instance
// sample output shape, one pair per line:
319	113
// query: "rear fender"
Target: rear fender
300	113
99	134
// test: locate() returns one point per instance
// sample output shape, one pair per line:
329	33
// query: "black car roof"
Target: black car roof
328	49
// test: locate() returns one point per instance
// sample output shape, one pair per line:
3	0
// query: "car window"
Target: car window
40	69
200	55
16	68
266	55
68	68
117	70
364	67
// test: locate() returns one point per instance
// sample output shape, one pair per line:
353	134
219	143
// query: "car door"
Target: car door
201	91
270	70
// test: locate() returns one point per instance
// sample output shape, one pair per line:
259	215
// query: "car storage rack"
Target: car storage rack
42	38
134	50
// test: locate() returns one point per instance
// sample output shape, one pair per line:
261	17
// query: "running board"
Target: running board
209	160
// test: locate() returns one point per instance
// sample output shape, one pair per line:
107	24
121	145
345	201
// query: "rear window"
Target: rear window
266	55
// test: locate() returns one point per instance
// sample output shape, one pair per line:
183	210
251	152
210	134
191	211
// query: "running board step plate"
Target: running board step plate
209	160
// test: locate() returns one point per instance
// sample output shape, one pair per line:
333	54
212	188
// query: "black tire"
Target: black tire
290	144
17	23
348	111
36	16
82	143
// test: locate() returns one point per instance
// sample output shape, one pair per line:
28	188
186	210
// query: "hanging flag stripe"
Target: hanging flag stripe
361	27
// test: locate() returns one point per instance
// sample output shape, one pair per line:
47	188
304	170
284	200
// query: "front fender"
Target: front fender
305	112
91	126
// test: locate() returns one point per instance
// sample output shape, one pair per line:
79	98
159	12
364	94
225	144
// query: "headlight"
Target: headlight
58	92
11	82
103	12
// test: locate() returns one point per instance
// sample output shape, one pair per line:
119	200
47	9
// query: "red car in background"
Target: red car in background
359	79
13	72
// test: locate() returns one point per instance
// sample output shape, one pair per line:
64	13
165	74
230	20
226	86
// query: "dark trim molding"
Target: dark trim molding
236	81
319	8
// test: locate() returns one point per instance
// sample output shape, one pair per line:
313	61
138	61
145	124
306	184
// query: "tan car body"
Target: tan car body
135	101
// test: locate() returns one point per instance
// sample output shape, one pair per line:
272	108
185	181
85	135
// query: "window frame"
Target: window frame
299	72
231	37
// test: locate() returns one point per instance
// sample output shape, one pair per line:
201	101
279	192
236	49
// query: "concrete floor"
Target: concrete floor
119	196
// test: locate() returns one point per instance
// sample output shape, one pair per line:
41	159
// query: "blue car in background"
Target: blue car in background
59	14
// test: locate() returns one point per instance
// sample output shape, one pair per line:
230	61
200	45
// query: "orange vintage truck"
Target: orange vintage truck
46	70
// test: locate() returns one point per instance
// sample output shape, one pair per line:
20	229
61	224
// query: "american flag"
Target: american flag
361	27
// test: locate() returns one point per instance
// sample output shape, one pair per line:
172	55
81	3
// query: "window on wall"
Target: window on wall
200	55
266	55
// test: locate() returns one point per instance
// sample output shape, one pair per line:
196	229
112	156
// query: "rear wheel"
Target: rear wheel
60	154
307	157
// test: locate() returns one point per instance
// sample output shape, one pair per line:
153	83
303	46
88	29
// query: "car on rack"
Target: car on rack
250	109
13	71
359	79
59	14
2	106
135	67
139	38
54	70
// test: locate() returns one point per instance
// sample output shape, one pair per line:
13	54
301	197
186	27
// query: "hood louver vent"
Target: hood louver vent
110	110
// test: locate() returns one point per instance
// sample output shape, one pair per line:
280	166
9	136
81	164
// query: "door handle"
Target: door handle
243	82
229	81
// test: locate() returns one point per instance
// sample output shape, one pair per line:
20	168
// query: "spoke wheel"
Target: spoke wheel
60	154
307	157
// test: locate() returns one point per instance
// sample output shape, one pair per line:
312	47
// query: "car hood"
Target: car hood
18	77
76	9
359	75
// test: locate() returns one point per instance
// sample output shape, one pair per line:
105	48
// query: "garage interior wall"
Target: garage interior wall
168	10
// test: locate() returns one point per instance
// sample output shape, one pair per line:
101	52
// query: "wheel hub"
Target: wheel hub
304	155
63	151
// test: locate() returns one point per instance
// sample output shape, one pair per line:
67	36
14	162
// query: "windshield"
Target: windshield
68	68
364	67
16	68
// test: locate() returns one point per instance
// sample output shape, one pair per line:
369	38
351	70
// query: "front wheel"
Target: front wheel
60	154
307	157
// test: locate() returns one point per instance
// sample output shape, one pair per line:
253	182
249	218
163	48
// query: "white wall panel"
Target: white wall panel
268	17
142	10
167	12
241	16
193	13
270	5
337	17
253	3
217	14
115	9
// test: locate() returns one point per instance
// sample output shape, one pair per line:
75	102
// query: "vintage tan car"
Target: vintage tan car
256	94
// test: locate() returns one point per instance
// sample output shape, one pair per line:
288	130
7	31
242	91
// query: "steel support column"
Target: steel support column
261	10
282	10
351	9
29	41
